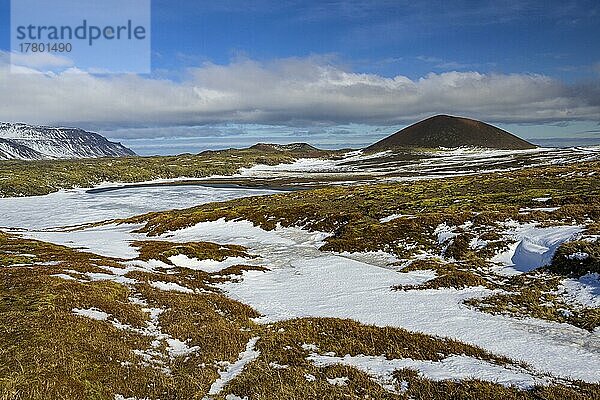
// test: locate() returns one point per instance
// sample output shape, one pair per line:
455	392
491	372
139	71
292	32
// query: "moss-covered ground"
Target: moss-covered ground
47	351
474	208
34	178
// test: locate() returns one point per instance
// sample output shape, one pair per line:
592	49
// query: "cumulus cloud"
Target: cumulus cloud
294	92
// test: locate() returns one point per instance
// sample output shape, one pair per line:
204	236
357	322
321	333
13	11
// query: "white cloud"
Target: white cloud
307	91
39	60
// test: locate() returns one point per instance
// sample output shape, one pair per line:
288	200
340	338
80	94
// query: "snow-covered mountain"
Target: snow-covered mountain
10	150
28	142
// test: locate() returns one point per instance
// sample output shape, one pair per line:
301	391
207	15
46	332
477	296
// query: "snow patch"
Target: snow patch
583	292
477	243
392	217
306	282
309	347
178	348
99	276
236	368
451	368
121	397
275	365
109	240
170	287
341	381
92	313
544	209
445	233
310	377
534	246
208	265
234	397
580	256
79	206
379	258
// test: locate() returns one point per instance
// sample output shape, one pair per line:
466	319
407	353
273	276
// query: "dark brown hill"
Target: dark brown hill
448	131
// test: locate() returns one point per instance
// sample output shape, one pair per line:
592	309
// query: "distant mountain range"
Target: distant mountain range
451	132
28	142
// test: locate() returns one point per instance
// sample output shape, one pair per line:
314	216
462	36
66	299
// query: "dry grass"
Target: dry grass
449	275
281	345
352	213
162	250
535	295
565	263
48	352
475	206
419	388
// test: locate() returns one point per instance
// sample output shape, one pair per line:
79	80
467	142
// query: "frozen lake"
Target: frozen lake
74	207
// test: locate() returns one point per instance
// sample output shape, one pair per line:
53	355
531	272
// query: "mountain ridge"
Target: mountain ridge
19	141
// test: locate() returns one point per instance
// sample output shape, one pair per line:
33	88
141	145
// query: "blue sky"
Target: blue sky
558	38
334	73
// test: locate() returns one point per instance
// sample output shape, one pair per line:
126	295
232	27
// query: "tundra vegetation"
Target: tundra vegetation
51	351
34	178
475	209
70	330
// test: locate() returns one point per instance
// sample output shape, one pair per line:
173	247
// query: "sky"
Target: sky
332	73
